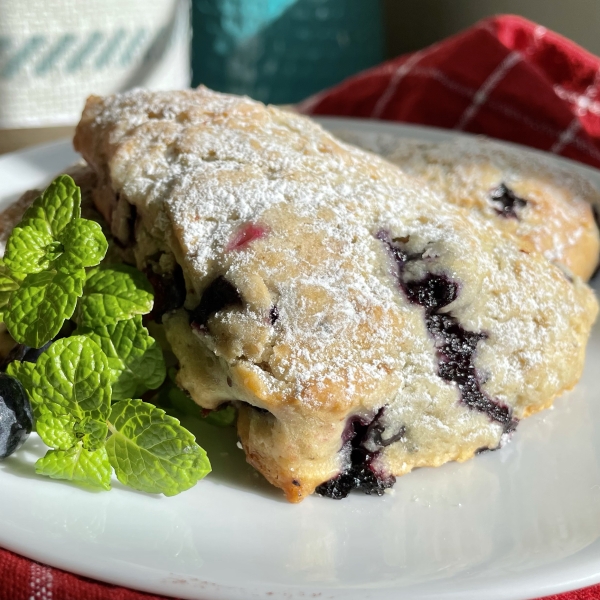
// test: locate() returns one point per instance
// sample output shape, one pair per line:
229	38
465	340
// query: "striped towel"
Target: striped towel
54	53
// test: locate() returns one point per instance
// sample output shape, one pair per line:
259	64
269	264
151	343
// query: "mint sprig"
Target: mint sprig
56	207
151	452
30	248
22	371
83	243
43	272
111	357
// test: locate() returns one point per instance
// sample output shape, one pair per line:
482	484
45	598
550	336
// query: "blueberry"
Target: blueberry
375	431
359	475
16	418
25	353
218	295
169	292
432	292
508	202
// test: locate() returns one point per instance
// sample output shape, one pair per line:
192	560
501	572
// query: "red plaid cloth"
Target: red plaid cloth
505	77
23	579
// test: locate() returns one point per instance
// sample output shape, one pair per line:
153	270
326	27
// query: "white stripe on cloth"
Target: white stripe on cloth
488	85
583	104
586	147
395	79
504	109
40	582
440	76
487	26
538	33
468	92
567	136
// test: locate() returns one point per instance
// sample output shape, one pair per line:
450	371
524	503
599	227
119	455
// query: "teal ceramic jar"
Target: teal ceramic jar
281	51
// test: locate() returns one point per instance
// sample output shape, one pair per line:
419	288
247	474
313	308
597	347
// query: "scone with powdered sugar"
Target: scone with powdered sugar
362	325
551	209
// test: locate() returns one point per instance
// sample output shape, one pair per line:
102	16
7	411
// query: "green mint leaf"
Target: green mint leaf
55	431
8	284
70	393
38	309
134	357
90	467
33	244
151	452
46	254
56	207
222	417
54	250
91	432
23	372
83	243
113	294
29	250
173	396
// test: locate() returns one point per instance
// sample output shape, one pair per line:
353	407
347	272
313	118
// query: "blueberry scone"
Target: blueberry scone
361	324
551	209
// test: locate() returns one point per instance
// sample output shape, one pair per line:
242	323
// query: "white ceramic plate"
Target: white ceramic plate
520	523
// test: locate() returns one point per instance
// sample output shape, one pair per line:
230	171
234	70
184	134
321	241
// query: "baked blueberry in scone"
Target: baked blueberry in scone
549	208
362	325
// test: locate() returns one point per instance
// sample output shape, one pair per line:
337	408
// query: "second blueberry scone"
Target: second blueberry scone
362	325
550	209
